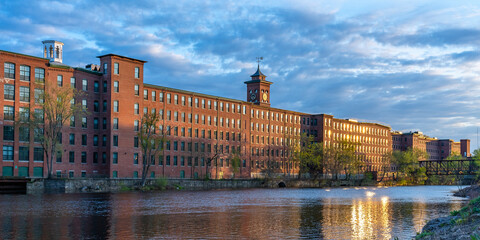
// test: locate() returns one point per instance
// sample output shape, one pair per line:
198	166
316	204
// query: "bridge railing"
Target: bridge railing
450	167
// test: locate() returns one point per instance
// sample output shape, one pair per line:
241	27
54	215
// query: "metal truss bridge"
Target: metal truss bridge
450	167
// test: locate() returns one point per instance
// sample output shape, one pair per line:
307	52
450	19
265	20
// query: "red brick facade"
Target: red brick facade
197	127
437	149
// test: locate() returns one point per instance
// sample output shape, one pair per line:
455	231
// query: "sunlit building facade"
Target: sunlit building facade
437	149
203	133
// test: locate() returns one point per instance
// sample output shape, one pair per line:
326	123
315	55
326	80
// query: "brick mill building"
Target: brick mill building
198	128
437	149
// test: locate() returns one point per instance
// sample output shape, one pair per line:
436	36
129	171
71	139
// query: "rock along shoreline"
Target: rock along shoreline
461	224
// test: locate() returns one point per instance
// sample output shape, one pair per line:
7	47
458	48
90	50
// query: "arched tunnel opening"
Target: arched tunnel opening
282	185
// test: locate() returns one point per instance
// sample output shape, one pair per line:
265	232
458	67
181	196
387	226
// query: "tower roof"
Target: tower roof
258	73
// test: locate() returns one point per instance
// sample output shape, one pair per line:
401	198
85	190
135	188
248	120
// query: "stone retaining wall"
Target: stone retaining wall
114	185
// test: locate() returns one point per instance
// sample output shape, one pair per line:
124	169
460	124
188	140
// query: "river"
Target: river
337	213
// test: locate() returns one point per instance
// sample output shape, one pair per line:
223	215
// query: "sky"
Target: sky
412	65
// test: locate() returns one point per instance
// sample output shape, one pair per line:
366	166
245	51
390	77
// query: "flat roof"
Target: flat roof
116	55
217	97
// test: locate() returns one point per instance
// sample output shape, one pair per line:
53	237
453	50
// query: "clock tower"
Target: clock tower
258	89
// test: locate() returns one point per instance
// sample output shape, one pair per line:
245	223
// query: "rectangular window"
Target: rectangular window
115	157
84	85
136	109
9	70
169	100
84	139
73	82
145	94
137	90
84	157
96	107
135	158
154	96
135	142
137	72
8	112
115	86
160	98
38	154
23	154
105	68
105	86
115	68
59	80
9	92
8	133
39	75
135	125
37	134
25	94
115	123
39	93
84	122
115	140
115	106
96	86
24	134
24	73
104	106
24	114
95	157
72	139
95	140
71	157
7	153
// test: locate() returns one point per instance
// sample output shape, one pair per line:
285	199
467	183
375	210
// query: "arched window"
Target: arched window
45	52
51	51
58	52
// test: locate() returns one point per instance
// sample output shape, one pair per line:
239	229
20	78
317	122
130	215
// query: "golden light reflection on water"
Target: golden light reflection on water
352	213
369	218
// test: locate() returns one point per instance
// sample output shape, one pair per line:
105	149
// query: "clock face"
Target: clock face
265	97
252	96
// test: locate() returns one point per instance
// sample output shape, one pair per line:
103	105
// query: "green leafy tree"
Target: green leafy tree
342	158
407	167
310	157
235	160
151	142
54	107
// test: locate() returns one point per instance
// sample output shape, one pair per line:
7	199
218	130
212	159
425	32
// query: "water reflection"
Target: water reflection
361	213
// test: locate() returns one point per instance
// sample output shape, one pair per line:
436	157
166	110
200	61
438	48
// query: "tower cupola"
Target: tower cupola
53	50
258	89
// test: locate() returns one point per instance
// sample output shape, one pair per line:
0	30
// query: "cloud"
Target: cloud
411	65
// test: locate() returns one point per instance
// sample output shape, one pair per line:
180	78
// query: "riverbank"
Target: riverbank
116	185
461	224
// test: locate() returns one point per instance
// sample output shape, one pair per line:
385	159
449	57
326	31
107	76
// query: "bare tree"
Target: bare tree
56	106
151	142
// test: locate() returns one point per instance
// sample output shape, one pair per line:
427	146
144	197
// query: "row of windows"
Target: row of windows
275	116
116	69
357	138
24	134
83	157
9	72
360	129
24	154
9	93
274	129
